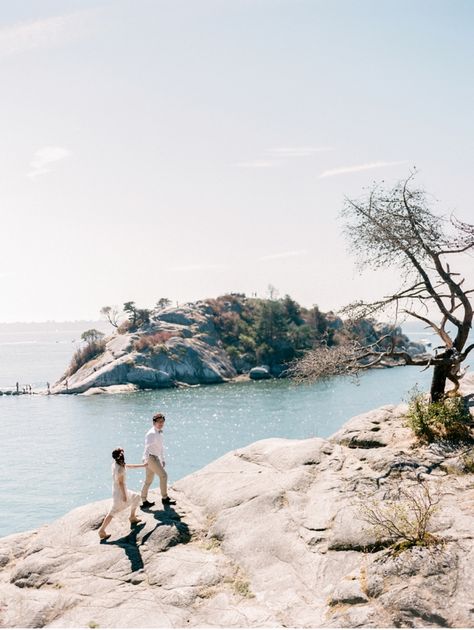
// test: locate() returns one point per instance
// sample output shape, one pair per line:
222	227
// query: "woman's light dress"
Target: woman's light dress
118	504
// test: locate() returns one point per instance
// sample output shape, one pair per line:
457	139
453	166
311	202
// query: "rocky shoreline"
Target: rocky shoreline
271	535
189	353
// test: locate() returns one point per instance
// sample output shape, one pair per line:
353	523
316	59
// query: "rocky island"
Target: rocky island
210	341
271	535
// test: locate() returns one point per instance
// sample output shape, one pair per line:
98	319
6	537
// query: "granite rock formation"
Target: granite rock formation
190	353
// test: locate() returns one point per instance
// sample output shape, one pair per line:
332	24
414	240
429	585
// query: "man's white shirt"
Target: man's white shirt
153	445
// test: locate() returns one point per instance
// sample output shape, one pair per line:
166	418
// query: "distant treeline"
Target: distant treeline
276	331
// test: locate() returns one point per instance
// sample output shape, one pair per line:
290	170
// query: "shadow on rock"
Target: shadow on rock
177	531
130	545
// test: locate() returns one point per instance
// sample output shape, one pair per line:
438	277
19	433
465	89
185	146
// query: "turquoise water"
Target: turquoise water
56	449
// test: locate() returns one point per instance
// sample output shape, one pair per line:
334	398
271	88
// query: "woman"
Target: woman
121	497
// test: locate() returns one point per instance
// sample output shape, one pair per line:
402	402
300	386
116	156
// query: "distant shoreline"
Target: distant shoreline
50	326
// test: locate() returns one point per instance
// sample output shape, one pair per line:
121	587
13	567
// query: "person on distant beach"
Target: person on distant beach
121	496
153	456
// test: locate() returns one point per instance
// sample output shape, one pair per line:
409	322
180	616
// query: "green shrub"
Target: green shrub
444	420
242	587
247	343
233	352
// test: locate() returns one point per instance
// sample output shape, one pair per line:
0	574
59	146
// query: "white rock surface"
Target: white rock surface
270	535
192	354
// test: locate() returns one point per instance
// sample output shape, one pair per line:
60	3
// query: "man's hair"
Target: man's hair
158	416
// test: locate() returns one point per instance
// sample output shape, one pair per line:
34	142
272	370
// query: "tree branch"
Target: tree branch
467	351
439	330
456	251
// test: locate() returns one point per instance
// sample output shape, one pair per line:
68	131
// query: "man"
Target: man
153	456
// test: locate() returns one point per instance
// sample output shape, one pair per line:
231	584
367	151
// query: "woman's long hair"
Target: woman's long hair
119	456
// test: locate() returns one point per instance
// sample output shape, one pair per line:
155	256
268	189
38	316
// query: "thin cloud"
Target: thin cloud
257	164
292	254
358	167
198	267
295	152
278	155
44	33
44	158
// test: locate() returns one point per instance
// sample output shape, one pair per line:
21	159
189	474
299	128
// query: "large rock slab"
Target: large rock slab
271	535
190	355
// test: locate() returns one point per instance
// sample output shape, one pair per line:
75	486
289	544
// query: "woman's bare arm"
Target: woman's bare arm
135	465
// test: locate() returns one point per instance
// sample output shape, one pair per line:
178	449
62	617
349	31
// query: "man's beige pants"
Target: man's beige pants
153	468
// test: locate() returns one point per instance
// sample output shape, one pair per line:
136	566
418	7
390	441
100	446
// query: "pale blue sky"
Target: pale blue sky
189	148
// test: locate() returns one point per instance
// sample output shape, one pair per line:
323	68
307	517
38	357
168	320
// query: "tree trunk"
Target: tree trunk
438	382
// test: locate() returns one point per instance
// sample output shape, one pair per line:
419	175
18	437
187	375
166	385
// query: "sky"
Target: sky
188	148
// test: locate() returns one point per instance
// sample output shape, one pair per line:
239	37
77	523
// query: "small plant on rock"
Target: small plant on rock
468	462
242	588
447	419
154	341
405	520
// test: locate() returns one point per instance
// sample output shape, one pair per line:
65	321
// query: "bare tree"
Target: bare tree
111	313
396	228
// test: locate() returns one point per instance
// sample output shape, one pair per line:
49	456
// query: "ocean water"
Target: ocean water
55	450
34	354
